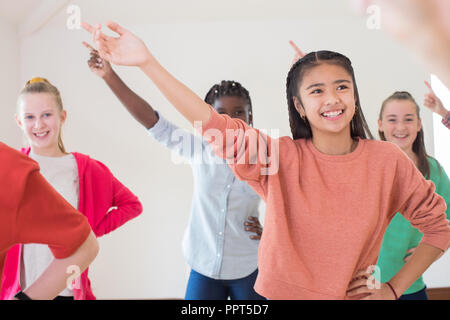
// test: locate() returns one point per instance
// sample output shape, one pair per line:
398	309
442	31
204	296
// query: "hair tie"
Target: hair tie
37	80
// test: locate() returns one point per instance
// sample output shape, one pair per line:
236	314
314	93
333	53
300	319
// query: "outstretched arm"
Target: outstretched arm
129	50
136	106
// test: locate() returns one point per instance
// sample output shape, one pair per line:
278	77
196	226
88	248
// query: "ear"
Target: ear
63	116
419	125
18	121
380	127
299	107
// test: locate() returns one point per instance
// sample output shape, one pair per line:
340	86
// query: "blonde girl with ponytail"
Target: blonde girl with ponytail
87	184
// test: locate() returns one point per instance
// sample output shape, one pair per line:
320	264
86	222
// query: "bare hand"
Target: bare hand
298	53
126	50
409	254
253	225
98	65
433	103
363	288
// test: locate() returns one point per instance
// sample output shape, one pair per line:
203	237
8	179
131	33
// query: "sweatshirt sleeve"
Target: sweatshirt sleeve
250	153
45	217
125	206
421	205
180	141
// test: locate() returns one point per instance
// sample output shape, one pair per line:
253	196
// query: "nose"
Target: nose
37	123
332	99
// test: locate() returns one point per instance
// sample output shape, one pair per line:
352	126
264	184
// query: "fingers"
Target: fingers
297	49
253	221
86	26
116	27
356	284
361	274
87	45
253	225
256	230
428	85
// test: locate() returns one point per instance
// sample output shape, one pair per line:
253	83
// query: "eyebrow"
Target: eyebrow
394	115
322	84
45	111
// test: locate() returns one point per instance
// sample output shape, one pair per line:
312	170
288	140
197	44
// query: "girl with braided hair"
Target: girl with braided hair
216	245
335	191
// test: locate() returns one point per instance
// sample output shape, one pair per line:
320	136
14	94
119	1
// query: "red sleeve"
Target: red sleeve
126	206
45	217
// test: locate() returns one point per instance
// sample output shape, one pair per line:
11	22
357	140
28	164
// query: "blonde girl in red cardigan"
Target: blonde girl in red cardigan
87	184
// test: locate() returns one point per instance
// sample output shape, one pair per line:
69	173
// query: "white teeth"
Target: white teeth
332	114
398	136
41	134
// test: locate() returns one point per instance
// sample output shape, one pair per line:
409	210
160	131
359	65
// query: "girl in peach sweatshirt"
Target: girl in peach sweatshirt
329	191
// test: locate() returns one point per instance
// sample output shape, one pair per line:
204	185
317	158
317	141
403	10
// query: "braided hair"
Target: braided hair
228	88
301	128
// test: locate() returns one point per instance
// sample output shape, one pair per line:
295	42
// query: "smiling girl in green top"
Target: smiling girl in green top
399	122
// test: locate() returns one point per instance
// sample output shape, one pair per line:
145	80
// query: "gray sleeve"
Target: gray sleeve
183	143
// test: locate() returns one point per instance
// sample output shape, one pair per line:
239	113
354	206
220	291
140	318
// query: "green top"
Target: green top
400	236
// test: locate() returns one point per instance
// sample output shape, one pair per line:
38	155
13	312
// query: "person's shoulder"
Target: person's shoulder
13	160
436	169
87	164
384	149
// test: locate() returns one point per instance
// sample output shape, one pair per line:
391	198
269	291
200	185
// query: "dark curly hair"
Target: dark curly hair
228	88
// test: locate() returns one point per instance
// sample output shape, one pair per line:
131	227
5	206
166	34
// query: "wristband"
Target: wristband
22	296
395	294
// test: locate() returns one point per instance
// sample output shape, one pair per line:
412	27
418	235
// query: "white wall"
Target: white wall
9	86
143	259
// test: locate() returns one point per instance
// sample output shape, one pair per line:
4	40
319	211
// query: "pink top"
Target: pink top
99	191
326	215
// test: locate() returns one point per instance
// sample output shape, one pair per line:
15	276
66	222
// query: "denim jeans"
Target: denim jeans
419	295
201	287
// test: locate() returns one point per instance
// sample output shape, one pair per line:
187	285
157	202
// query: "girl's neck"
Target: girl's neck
334	145
48	152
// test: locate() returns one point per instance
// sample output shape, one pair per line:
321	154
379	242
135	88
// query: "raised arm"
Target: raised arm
129	50
433	103
136	106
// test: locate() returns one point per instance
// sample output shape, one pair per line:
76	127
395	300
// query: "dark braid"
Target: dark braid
228	88
300	128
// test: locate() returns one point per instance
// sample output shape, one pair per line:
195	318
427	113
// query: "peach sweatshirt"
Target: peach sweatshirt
326	215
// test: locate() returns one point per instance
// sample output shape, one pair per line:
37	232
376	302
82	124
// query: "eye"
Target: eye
342	87
46	115
410	119
391	120
316	91
238	112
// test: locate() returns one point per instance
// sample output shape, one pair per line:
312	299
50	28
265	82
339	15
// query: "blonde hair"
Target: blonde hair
42	85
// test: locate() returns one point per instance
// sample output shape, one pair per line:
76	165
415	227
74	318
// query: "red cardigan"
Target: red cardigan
99	192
